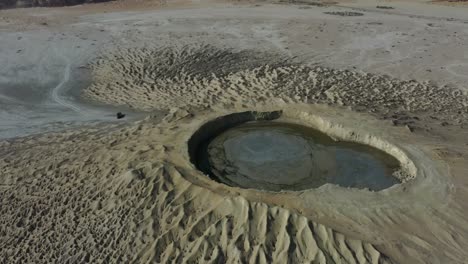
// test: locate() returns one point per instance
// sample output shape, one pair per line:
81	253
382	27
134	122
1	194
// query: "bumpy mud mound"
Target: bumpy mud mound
120	195
201	76
131	194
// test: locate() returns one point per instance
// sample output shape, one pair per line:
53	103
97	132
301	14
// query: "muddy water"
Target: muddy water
281	156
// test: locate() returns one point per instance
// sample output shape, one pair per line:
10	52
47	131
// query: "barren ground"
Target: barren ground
78	185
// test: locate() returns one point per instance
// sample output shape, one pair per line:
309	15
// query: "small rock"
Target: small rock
120	115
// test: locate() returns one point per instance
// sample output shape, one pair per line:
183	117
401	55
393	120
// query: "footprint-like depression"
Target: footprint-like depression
262	150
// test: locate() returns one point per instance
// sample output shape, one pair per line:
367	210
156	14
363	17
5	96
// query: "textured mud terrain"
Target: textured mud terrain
139	207
149	79
129	192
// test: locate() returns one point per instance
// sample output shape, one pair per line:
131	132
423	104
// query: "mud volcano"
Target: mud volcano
254	150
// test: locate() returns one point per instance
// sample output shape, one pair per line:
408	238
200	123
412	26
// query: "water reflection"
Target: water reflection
281	156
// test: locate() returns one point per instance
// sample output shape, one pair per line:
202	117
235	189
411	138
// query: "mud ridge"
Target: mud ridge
161	78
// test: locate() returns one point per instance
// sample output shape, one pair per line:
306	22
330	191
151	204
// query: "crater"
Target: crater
260	150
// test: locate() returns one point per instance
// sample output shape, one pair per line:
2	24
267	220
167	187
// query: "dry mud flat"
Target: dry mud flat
130	193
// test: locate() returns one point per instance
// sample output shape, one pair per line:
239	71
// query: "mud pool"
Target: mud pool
275	156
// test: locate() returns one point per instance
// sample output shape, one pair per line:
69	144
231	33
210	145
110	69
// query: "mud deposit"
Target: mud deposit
281	156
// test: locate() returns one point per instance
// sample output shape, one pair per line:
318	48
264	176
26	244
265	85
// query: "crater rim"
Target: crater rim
214	127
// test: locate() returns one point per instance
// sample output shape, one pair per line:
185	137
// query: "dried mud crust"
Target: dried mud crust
114	195
161	78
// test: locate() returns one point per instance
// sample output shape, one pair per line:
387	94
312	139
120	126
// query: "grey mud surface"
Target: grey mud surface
41	83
